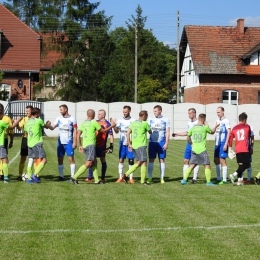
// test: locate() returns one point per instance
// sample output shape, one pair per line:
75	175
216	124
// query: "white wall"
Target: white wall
177	114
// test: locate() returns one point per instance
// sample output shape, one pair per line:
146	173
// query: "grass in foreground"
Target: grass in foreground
59	220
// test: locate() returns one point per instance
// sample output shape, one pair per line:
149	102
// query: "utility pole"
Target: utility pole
136	54
178	56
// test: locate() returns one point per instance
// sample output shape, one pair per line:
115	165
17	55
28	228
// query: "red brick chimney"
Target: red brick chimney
240	26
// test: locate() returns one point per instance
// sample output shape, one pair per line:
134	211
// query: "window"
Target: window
50	80
258	96
189	66
5	90
230	97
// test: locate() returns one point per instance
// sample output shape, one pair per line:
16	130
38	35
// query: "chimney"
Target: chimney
240	26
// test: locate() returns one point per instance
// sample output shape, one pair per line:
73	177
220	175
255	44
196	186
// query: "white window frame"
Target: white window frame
50	80
229	101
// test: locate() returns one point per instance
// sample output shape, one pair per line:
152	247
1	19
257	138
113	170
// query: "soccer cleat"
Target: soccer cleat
211	184
222	182
19	178
30	181
124	178
240	183
102	181
248	182
88	180
131	181
232	178
35	178
74	181
162	181
193	181
145	183
1	177
61	179
257	181
149	180
6	180
119	180
184	182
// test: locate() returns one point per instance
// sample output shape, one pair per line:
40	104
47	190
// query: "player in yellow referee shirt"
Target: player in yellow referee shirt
24	146
9	132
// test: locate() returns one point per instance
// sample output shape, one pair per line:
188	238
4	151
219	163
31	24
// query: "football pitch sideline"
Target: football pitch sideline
60	220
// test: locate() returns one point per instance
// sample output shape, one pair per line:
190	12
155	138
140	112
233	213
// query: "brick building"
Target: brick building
220	64
19	56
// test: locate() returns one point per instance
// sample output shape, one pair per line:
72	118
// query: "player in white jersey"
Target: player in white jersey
187	153
121	127
221	145
158	142
67	126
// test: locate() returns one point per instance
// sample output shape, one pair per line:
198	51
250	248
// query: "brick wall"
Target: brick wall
211	87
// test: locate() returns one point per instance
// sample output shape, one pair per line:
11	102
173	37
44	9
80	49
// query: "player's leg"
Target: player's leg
162	156
60	156
24	154
186	158
39	152
122	156
130	156
188	171
103	168
4	159
70	153
152	152
1	163
217	162
223	154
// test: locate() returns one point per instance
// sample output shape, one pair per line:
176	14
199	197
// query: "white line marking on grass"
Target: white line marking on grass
13	159
124	230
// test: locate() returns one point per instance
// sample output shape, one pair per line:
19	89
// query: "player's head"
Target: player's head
2	106
63	110
220	111
242	118
91	114
126	111
192	113
38	113
157	111
143	115
28	110
34	112
101	114
1	113
202	118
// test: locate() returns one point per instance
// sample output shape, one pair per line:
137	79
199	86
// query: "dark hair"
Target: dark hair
242	117
202	117
143	113
222	108
1	106
128	107
159	107
31	107
193	110
64	106
35	110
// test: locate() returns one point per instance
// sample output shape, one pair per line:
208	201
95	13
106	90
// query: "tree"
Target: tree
1	75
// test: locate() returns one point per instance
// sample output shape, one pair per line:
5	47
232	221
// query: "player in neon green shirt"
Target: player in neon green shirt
33	127
3	151
199	154
138	129
88	130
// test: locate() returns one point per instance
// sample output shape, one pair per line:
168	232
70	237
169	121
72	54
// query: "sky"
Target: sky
162	15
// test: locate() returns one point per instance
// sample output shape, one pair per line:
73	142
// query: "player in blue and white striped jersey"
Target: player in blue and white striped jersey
124	152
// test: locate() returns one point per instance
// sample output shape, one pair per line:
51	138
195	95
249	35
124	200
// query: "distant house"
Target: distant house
220	64
19	56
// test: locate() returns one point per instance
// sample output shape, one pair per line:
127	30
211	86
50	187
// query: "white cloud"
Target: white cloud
171	44
249	21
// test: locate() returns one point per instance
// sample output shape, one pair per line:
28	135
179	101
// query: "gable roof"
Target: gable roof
253	50
218	49
20	45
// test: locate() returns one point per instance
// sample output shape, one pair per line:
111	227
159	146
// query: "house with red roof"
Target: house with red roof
19	56
220	64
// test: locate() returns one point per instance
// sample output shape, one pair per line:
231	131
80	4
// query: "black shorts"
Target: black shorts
6	145
24	147
243	157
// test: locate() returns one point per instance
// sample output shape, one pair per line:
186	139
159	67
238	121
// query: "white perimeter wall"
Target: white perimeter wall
177	114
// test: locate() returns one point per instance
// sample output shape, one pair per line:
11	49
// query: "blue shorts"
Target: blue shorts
187	152
100	151
62	148
156	148
219	152
124	153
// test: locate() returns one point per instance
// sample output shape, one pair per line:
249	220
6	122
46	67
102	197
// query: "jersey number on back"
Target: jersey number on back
240	135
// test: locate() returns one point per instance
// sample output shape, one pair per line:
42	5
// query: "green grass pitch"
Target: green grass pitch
60	220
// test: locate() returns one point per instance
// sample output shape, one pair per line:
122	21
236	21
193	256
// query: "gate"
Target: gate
15	109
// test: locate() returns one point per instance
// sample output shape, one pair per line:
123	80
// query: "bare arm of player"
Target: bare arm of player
213	130
52	127
79	141
16	122
47	124
225	148
165	147
74	144
189	139
180	134
128	141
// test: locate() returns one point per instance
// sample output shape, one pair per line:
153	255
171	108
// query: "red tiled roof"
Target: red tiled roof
218	50
20	45
253	70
